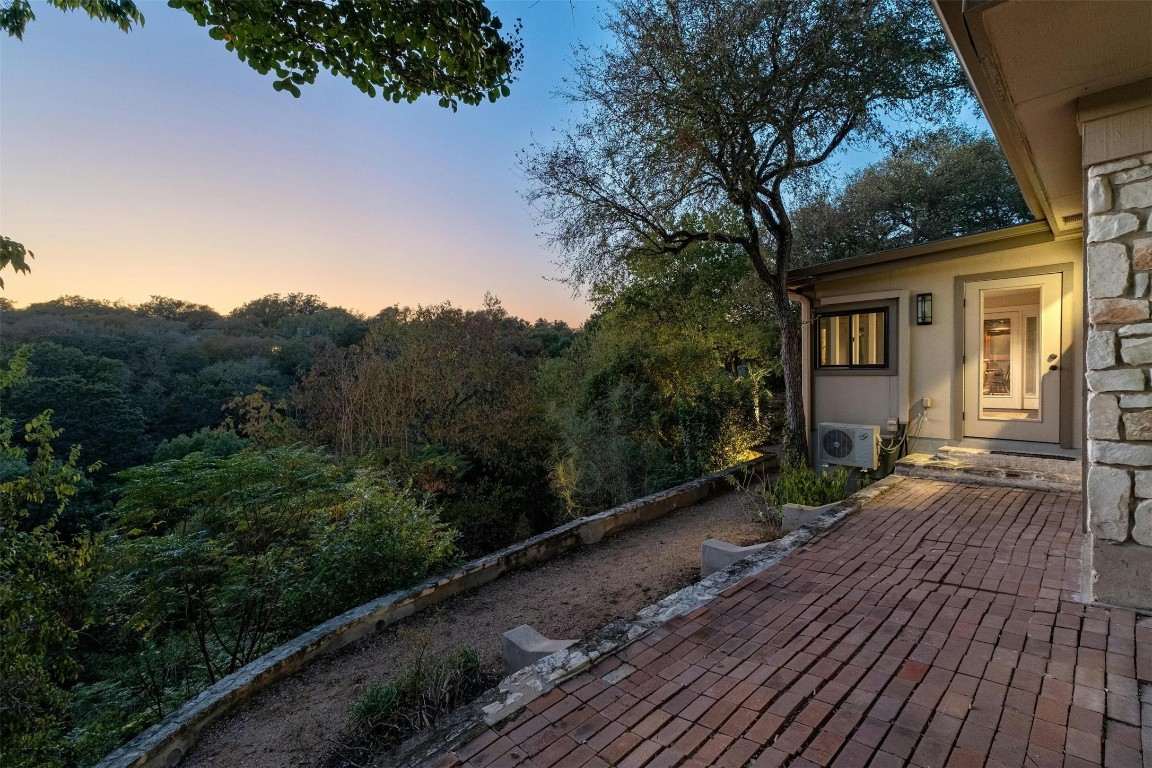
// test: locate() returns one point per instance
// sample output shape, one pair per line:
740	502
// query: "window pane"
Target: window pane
997	356
851	340
869	338
843	343
835	340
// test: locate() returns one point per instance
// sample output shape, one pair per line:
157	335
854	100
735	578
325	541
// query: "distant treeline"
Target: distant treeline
122	380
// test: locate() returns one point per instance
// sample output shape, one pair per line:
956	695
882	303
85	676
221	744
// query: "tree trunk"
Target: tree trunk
792	361
755	379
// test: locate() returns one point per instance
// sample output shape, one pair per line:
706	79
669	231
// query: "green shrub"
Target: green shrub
212	443
127	687
44	581
379	539
261	544
424	692
796	484
213	561
488	515
800	484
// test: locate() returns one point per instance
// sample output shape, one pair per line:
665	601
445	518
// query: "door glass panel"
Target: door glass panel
997	356
1010	354
1031	356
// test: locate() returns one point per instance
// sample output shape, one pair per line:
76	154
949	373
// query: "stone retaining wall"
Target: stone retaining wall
1119	377
165	743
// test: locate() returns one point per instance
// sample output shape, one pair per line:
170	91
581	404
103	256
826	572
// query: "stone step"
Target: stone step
1059	465
929	467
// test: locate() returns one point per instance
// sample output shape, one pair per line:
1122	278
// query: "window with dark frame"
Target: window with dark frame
856	339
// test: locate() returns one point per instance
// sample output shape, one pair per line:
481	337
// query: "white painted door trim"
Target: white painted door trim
1045	429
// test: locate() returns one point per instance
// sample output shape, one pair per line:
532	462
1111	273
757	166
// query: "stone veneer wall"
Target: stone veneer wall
1119	359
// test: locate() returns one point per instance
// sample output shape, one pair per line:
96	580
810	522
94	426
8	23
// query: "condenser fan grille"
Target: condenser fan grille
837	443
852	445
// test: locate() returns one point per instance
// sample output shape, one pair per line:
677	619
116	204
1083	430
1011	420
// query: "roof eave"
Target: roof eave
1022	235
993	100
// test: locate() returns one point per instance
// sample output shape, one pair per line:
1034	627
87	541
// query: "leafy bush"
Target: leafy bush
489	516
213	443
130	684
424	692
214	560
43	588
800	484
796	484
243	551
638	409
376	540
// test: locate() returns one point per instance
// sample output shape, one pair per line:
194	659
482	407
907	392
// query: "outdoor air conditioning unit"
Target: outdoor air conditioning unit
854	445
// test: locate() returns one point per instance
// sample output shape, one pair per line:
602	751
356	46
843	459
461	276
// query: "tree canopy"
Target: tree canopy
453	49
15	255
934	185
703	117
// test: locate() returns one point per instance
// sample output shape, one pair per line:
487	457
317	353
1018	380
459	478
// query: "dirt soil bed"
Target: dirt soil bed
300	719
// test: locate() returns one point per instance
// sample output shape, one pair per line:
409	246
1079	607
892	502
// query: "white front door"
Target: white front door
1012	361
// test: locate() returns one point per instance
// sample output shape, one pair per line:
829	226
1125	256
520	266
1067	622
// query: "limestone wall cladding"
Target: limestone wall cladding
1119	354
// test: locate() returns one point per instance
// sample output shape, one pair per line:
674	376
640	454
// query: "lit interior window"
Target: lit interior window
853	339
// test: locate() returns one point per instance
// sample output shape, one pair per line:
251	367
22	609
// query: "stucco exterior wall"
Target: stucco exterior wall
850	399
933	368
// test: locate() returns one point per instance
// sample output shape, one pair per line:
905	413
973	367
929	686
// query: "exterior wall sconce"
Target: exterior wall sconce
923	309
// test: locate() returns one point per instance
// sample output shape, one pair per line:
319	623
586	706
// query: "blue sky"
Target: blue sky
154	162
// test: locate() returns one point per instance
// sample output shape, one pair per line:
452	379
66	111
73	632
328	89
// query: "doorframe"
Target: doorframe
1070	339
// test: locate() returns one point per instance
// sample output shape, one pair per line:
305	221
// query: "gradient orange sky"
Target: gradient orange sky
155	163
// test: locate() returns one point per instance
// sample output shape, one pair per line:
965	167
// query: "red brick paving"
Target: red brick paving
937	627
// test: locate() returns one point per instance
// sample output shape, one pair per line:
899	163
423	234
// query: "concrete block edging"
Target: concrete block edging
166	742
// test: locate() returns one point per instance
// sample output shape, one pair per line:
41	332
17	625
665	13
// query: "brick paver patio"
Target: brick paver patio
938	626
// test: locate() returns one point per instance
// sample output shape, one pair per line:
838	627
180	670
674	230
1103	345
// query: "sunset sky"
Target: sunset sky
156	163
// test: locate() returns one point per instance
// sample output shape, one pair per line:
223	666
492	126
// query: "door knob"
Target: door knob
1051	358
1052	367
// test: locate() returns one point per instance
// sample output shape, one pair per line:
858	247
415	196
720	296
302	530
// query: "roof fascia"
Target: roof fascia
1019	236
967	41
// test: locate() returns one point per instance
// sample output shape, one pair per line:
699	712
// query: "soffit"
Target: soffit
1029	63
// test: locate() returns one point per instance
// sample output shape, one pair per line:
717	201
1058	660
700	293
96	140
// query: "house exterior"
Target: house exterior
1038	335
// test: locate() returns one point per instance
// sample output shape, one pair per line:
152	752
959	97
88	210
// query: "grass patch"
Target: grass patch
426	691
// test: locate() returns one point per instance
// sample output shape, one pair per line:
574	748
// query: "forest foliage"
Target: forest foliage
190	489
